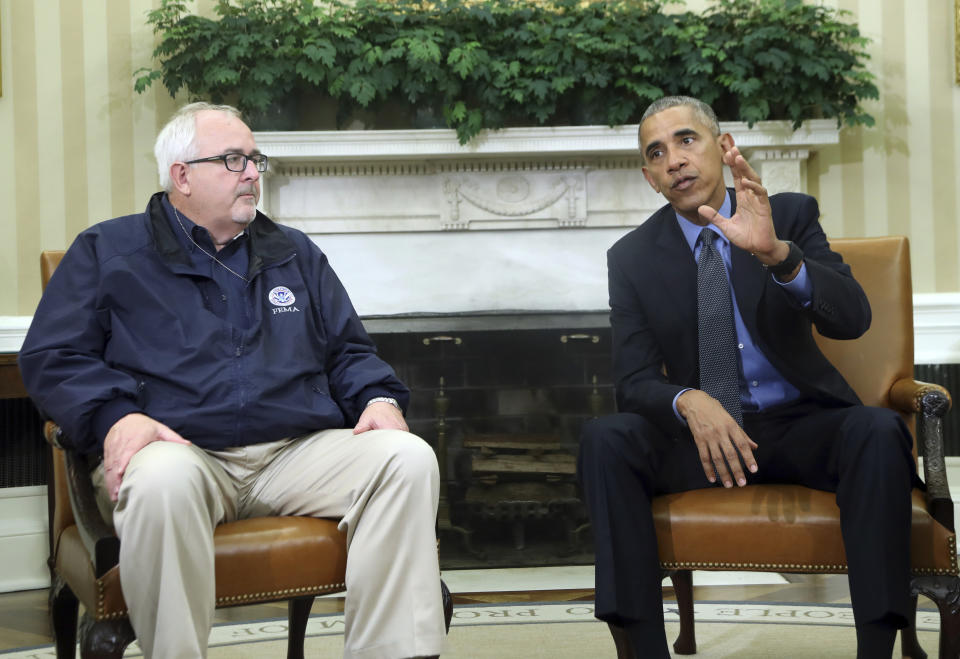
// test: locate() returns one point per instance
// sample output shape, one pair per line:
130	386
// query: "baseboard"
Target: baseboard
24	546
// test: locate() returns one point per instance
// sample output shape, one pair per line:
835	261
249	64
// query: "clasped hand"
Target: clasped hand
720	442
380	416
127	436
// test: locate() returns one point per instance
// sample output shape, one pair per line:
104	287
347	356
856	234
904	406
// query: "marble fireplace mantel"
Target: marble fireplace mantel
519	218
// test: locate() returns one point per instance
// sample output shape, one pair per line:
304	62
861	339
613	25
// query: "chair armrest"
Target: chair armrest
53	434
101	542
930	402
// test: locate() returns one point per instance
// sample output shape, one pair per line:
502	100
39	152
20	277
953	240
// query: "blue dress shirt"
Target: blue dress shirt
761	385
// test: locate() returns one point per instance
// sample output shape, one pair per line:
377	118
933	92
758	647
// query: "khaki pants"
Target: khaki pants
383	484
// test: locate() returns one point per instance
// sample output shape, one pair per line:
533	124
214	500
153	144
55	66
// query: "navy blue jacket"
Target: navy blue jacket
127	324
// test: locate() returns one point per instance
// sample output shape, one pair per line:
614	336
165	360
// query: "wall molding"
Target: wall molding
354	145
936	328
24	544
13	329
936	322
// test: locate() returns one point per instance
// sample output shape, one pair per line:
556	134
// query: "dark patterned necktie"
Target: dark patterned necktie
719	373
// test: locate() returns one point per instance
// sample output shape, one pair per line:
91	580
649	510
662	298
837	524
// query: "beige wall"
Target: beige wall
76	140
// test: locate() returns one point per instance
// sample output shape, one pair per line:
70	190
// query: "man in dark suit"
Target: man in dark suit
787	416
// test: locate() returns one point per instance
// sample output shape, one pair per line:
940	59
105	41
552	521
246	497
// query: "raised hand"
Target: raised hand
751	227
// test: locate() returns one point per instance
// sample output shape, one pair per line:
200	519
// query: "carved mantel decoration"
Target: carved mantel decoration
519	178
517	219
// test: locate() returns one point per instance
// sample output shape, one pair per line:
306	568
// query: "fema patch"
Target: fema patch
281	296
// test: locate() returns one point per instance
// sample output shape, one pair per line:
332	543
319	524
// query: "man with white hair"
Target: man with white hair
213	362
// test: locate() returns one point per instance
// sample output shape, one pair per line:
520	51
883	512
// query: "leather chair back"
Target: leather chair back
62	515
882	266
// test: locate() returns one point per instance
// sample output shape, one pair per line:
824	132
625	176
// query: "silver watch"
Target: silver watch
383	399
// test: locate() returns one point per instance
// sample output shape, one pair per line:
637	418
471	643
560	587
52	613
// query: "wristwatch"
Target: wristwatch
789	264
383	399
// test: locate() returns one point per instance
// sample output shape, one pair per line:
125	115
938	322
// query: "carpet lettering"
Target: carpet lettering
227	635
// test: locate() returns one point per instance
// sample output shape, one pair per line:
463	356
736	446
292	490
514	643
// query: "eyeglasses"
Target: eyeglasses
236	162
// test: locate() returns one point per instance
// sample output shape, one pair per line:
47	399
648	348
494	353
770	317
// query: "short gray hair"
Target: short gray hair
701	110
177	139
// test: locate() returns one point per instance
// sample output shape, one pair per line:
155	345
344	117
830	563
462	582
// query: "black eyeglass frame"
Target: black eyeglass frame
259	161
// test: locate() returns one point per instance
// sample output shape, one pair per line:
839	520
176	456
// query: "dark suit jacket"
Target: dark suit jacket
653	301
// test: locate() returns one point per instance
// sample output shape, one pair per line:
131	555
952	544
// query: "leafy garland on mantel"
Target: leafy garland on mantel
479	64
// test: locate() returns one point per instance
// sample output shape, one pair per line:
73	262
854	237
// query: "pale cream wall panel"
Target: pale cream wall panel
828	172
873	153
97	110
919	219
50	145
144	107
892	92
943	156
955	102
120	68
75	172
21	85
851	184
826	179
8	199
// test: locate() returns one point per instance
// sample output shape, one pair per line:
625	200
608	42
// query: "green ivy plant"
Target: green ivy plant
480	64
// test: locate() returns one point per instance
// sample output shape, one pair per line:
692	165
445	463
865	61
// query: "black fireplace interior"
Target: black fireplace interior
503	408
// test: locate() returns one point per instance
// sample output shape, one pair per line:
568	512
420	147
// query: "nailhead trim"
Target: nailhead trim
809	567
284	593
786	567
280	594
756	567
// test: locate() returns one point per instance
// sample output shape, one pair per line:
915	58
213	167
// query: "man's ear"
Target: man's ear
178	176
646	175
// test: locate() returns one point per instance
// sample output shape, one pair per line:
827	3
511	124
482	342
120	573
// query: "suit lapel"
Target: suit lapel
677	267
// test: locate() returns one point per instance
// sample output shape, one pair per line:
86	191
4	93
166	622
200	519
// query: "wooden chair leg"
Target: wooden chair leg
298	614
64	607
909	643
686	642
106	639
622	640
945	592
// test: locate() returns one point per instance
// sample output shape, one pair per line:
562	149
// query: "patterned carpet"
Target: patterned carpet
569	631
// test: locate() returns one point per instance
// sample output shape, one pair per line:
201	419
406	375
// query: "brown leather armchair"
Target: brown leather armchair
789	528
263	559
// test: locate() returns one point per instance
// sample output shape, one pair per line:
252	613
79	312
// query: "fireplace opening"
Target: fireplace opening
503	407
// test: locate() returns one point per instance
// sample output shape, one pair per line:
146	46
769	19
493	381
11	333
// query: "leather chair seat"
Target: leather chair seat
257	560
777	528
